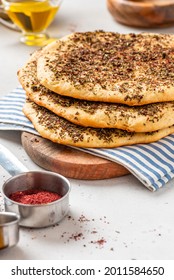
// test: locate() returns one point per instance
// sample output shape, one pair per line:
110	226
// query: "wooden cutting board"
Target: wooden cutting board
68	161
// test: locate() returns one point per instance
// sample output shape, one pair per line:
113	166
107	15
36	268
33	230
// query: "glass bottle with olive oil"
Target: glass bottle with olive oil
32	17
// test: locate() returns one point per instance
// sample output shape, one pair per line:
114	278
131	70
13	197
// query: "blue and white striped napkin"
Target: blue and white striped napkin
152	164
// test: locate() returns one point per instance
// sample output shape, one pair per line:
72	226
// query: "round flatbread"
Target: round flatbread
144	118
132	69
61	131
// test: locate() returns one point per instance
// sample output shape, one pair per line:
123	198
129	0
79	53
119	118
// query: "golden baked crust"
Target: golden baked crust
144	118
132	69
61	131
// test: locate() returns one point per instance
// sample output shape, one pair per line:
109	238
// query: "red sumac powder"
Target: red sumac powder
34	196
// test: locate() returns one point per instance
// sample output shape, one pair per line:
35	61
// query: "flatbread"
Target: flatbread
132	69
61	131
144	118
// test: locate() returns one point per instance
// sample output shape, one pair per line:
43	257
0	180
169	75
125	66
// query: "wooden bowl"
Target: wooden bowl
142	13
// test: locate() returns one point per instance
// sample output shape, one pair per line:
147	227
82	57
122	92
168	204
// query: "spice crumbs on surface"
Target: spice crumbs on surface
100	241
81	229
82	218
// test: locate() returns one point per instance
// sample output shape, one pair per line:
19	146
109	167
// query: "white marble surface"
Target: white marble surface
135	223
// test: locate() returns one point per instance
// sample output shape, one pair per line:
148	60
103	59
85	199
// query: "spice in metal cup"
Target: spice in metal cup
34	196
34	215
43	214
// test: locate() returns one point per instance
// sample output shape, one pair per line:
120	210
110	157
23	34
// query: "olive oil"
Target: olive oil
2	244
32	16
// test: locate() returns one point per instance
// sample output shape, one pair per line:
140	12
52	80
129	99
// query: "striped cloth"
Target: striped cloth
152	164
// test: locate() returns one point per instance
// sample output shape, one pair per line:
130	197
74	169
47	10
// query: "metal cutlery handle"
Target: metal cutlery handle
10	162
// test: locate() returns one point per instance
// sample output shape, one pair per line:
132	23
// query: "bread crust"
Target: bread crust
144	118
59	130
132	69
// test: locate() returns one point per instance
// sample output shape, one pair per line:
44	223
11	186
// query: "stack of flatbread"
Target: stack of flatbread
102	89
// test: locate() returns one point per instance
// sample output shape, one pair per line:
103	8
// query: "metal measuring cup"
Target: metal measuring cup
39	215
9	229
